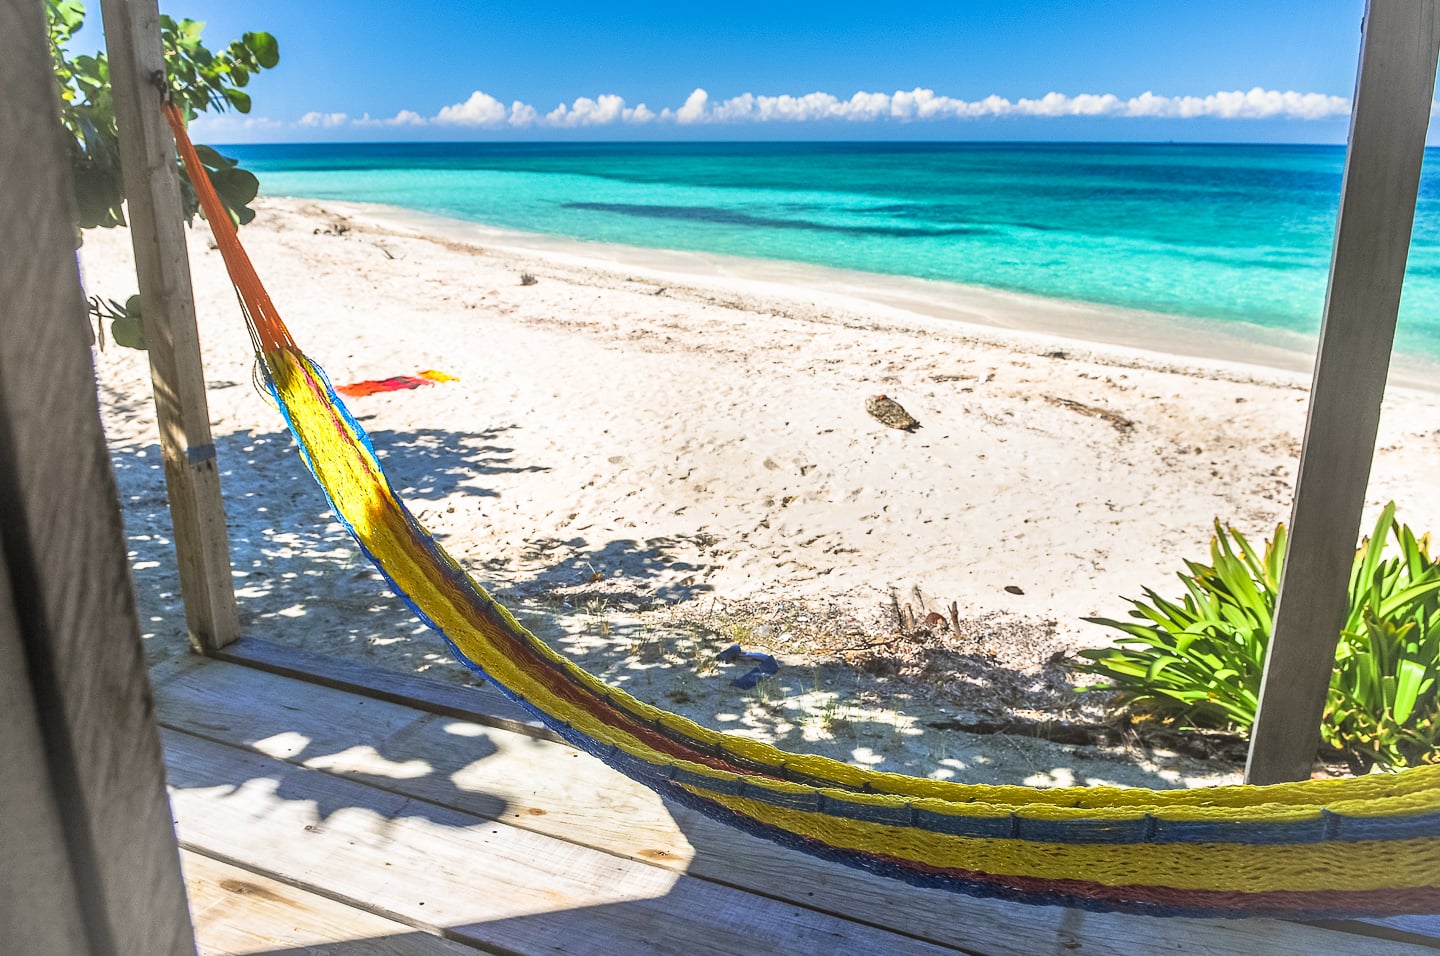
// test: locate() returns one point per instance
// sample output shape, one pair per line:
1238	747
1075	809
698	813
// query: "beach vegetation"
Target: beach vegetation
1197	660
198	80
125	326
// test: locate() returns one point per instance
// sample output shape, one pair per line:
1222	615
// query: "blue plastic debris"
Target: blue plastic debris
765	665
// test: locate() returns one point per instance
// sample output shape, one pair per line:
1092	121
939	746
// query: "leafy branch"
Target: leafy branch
198	79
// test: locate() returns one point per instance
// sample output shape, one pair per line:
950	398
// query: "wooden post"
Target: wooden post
88	861
41	908
157	230
1388	121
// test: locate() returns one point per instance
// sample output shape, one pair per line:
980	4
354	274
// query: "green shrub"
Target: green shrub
1197	660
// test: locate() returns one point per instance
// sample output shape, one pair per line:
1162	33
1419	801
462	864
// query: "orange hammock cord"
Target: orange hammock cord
260	314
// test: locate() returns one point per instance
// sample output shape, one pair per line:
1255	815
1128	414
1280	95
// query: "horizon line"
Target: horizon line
879	143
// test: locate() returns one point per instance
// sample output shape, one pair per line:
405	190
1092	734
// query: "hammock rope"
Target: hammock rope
1366	846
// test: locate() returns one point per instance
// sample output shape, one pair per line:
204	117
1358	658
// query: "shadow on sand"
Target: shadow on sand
301	581
334	775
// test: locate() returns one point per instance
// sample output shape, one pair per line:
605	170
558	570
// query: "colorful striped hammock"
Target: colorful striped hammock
1365	846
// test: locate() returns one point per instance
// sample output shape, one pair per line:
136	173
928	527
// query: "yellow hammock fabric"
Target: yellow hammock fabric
1363	846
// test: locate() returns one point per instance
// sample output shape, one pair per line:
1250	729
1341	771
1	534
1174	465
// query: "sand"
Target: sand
653	455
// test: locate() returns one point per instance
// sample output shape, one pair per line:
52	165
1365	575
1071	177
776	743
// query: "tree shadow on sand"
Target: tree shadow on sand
300	578
302	582
368	774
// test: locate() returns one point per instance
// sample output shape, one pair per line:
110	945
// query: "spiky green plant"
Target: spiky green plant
1197	660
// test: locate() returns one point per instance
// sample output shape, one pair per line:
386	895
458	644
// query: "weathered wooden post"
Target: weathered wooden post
157	230
88	862
1388	121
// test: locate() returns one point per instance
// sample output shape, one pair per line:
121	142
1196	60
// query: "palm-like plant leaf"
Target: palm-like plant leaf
1197	660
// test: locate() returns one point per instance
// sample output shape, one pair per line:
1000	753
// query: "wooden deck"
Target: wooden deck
355	812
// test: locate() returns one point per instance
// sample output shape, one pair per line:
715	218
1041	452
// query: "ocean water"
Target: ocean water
1241	234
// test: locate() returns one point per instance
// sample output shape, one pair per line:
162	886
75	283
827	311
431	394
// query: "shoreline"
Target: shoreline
649	468
1098	332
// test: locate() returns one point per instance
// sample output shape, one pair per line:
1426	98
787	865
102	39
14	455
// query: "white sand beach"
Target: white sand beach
652	455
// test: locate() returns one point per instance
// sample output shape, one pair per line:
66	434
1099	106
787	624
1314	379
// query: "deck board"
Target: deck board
287	743
238	913
480	701
475	880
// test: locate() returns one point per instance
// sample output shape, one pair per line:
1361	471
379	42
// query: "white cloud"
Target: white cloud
798	109
640	114
221	124
587	112
694	109
481	109
324	120
868	106
1256	103
1058	104
991	105
922	104
402	118
919	105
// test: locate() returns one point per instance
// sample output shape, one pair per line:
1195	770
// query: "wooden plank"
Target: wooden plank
65	555
477	881
157	231
238	912
480	703
554	790
173	665
1422	931
1425	926
539	785
39	902
1372	239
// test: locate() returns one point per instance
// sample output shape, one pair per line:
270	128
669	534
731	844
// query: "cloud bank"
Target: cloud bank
482	111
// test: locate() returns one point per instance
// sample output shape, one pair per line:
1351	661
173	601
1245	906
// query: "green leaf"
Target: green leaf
199	79
266	50
1371	552
237	189
1407	689
238	99
128	330
66	17
211	158
1159	664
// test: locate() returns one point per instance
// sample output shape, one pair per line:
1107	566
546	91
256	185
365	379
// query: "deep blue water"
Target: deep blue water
1237	233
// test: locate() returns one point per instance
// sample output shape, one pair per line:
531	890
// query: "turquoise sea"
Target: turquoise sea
1235	233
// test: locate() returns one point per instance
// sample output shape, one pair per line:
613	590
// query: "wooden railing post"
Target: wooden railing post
88	860
157	230
1388	121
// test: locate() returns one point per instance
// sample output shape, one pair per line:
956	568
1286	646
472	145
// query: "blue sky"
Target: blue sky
1119	70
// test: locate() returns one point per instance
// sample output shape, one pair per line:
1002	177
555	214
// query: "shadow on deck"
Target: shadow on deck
360	812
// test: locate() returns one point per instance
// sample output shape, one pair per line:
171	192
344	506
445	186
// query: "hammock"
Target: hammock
1367	846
